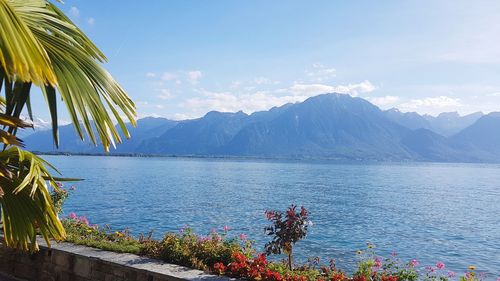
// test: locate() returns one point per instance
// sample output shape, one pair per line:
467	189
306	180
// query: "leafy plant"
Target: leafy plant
189	249
286	229
40	46
81	232
59	196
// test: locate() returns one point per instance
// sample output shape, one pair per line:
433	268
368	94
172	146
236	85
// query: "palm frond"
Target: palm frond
26	203
21	54
86	88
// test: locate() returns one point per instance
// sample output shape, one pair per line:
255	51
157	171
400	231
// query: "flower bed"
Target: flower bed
223	254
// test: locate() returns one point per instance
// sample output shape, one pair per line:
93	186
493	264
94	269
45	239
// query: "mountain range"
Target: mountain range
328	126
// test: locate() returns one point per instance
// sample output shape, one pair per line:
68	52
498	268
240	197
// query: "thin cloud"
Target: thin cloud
74	12
250	102
193	76
168	76
165	94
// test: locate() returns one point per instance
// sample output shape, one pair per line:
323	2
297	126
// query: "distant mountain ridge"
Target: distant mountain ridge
328	126
445	124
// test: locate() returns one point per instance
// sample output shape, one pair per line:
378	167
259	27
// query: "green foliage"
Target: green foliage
80	232
59	196
189	249
40	46
286	230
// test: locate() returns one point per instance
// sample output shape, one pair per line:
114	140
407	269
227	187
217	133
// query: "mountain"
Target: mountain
450	123
200	136
70	142
410	120
445	124
481	140
430	146
328	126
38	126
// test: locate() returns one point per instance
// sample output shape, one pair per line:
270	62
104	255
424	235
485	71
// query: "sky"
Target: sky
181	59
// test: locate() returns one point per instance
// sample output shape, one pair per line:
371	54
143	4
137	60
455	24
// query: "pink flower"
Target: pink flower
72	216
226	228
467	275
451	274
394	254
440	265
378	263
243	237
72	187
84	220
414	262
498	279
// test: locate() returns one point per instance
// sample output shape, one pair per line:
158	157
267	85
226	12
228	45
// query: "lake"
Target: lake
428	211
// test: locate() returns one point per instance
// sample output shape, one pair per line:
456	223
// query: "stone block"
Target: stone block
25	271
102	266
111	277
81	266
62	259
97	275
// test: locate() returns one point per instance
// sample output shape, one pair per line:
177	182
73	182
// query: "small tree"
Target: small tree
286	230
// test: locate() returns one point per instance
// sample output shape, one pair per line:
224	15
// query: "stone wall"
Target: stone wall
66	261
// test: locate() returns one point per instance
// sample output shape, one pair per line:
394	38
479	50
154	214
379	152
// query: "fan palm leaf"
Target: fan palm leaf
41	47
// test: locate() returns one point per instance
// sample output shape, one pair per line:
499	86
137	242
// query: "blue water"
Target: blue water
431	212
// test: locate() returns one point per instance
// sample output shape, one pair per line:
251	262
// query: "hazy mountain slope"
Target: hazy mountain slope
70	142
445	124
330	125
430	146
199	136
410	120
481	140
450	123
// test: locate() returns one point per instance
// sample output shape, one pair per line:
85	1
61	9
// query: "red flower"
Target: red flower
270	275
338	276
389	278
359	278
219	268
260	260
239	257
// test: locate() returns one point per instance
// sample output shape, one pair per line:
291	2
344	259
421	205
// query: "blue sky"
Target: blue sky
181	59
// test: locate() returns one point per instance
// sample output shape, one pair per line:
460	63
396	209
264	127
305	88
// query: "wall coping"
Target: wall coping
139	263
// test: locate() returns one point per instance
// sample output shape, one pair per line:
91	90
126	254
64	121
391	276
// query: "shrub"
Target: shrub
189	249
286	230
59	196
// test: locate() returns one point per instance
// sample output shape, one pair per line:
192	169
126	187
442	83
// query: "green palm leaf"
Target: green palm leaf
20	52
26	205
42	47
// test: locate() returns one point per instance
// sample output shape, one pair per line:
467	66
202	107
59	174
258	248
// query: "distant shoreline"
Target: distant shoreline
249	158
